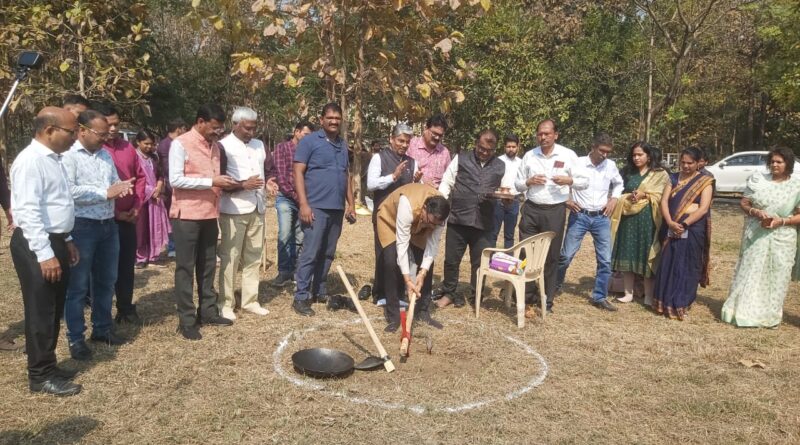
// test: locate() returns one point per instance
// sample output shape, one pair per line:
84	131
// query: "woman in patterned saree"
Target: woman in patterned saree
769	245
684	236
637	218
152	225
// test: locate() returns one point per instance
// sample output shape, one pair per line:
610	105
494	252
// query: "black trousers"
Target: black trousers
538	218
377	280
394	285
195	257
125	271
458	238
43	302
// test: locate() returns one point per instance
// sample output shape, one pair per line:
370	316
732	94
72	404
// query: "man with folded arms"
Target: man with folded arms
41	247
242	207
590	211
194	172
94	185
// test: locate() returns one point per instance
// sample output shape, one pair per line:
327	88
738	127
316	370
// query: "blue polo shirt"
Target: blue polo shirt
326	170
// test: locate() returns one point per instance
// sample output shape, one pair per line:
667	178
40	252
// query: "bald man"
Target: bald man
41	246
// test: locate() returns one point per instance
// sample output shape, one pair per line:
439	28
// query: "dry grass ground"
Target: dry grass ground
626	377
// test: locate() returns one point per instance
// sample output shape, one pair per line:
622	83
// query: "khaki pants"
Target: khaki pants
242	240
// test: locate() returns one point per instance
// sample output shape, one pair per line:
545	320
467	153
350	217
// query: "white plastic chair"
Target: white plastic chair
535	249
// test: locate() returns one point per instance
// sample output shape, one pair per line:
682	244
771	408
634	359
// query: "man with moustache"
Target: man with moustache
468	180
94	184
325	194
194	172
41	247
546	176
389	170
507	212
431	155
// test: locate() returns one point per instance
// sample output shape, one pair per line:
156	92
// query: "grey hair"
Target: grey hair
401	128
243	114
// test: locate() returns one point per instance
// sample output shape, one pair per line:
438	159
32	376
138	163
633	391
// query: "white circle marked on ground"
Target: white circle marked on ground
318	385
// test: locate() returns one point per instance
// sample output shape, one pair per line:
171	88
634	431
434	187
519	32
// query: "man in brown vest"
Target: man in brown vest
194	173
410	222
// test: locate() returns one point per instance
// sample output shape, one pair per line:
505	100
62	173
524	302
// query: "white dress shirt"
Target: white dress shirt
449	177
177	159
244	161
374	179
41	201
561	162
512	167
602	178
405	219
89	176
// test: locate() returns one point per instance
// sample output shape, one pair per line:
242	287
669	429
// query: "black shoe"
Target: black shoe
303	307
425	316
190	332
216	321
55	386
80	351
365	292
110	339
321	298
64	374
438	293
281	280
130	318
550	310
392	327
458	301
604	304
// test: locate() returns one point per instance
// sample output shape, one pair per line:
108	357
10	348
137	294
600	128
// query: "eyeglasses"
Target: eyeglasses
103	135
71	132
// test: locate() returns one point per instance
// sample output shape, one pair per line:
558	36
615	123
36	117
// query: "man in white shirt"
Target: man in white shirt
241	219
506	213
545	176
409	225
41	247
590	211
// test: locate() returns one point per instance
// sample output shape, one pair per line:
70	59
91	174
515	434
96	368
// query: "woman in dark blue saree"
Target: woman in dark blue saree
685	237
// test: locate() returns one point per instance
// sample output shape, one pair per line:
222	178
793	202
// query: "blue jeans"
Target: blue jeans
600	228
98	245
319	247
290	234
507	216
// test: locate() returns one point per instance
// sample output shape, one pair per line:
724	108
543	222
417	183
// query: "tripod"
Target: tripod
21	74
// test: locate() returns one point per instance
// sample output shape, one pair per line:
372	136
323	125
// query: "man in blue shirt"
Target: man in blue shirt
94	184
323	185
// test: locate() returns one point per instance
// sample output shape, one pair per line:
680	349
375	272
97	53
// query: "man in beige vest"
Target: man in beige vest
194	173
241	219
409	225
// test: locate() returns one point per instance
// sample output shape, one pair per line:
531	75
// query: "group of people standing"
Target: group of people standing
89	208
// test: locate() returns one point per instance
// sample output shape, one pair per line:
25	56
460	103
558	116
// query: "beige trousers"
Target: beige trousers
242	240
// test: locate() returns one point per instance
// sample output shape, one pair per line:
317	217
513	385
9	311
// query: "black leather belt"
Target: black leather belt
592	212
94	221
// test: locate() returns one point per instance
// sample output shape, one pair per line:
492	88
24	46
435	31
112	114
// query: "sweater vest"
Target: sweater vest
469	204
387	214
389	161
202	161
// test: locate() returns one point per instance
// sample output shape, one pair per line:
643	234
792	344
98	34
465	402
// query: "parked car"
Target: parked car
732	172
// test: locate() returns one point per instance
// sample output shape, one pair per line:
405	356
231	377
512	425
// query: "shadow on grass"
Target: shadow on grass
68	431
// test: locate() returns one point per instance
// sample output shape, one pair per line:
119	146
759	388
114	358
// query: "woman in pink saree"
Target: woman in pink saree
152	225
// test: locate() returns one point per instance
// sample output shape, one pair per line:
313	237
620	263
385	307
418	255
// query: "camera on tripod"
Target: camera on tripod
27	60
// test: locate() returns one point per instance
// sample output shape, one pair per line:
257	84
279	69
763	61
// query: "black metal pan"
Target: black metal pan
322	363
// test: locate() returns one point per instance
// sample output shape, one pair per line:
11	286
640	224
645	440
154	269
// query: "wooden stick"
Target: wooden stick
405	342
385	356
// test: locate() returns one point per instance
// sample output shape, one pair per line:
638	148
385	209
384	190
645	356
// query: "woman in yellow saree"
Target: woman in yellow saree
637	219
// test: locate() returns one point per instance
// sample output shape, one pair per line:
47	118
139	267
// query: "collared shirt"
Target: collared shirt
449	177
432	164
561	162
177	159
326	170
512	167
374	179
284	160
40	198
602	179
405	219
242	161
127	162
90	175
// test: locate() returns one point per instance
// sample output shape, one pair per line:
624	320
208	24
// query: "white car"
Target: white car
732	172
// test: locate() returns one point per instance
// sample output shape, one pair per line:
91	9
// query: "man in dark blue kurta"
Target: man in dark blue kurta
323	185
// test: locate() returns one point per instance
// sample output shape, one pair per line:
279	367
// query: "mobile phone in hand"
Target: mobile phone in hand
350	218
